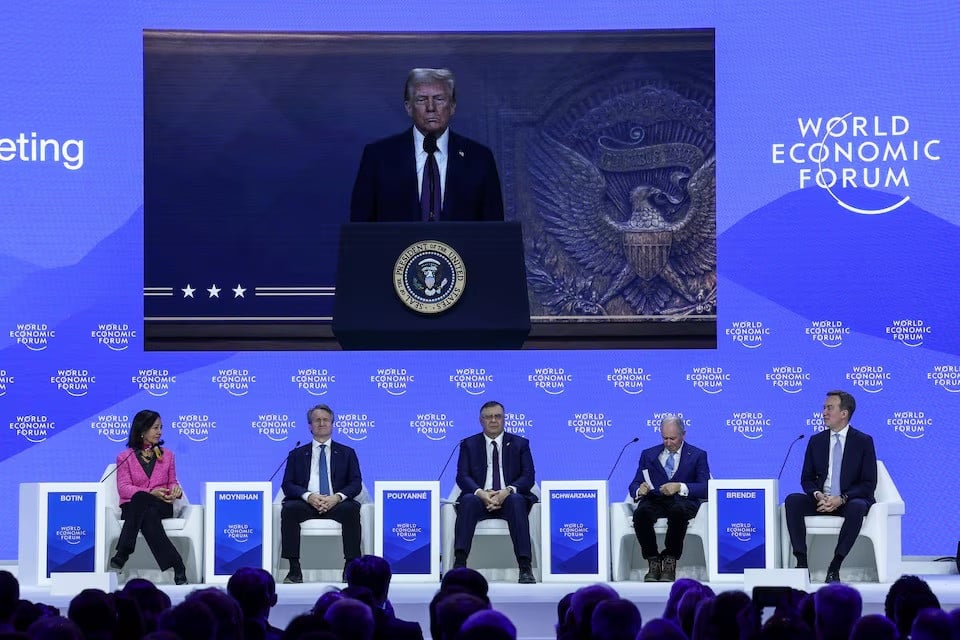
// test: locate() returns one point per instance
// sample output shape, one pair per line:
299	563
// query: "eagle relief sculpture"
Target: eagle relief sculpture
626	197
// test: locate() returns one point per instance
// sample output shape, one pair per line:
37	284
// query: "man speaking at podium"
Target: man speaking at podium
427	173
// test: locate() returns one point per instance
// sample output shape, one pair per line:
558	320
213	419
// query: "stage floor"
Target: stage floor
533	608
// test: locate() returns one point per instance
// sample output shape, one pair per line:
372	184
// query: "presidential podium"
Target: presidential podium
431	285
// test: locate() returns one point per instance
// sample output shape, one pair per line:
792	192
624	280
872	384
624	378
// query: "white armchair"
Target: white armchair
627	559
875	554
321	550
492	550
185	530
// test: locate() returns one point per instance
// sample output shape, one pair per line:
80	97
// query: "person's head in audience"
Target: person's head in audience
192	619
255	591
151	600
837	608
9	597
304	625
785	625
563	613
225	609
584	601
362	594
719	618
487	625
130	622
373	573
615	620
874	627
466	580
28	612
677	590
908	605
452	611
162	634
350	619
931	624
54	628
903	584
93	611
660	629
325	600
687	607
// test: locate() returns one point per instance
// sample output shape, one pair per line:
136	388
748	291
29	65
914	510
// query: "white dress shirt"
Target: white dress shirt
313	486
843	445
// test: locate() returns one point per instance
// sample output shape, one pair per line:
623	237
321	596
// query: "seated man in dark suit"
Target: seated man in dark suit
427	172
678	473
839	478
321	480
495	473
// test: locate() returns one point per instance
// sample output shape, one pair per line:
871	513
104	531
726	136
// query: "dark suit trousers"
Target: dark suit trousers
144	514
800	505
677	511
293	512
471	510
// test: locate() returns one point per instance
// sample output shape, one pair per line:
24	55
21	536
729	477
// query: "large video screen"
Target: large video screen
836	242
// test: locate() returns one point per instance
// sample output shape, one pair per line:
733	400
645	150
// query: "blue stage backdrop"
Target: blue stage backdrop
837	242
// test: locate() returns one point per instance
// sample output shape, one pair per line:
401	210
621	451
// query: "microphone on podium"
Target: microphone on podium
789	449
620	455
282	462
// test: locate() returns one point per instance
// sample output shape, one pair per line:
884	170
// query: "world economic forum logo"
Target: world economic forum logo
708	379
316	382
32	428
197	427
815	422
829	333
748	333
788	379
749	424
910	424
517	423
909	332
33	335
115	336
654	421
394	381
273	426
236	382
429	277
870	378
574	531
552	380
630	380
73	382
472	381
844	155
945	376
433	426
407	531
355	426
6	380
114	427
72	534
742	531
156	382
592	425
239	532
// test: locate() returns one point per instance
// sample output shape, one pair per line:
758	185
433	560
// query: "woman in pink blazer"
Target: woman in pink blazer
147	484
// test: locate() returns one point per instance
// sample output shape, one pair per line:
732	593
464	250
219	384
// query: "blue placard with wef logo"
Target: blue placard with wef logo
574	542
406	531
238	540
71	531
741	530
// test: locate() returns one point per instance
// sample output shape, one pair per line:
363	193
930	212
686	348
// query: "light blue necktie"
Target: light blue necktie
670	466
324	480
835	467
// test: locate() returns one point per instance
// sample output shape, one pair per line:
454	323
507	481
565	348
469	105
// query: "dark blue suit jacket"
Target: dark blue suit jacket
692	470
515	457
858	470
386	186
344	471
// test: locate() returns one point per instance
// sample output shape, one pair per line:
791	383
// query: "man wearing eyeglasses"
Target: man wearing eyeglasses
427	173
495	474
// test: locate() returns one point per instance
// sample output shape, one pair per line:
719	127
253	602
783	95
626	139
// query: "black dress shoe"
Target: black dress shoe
527	577
293	577
117	562
180	576
833	575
